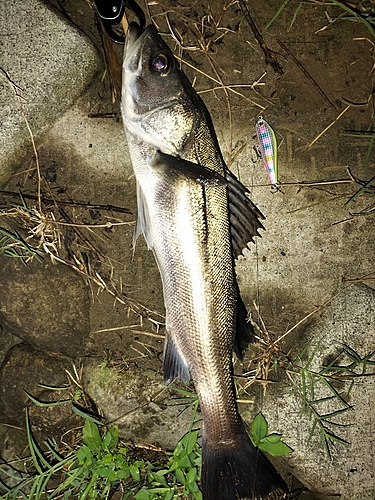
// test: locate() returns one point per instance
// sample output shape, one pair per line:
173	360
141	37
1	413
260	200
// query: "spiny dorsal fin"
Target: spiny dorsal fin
244	216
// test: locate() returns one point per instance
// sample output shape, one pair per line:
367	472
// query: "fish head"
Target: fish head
157	99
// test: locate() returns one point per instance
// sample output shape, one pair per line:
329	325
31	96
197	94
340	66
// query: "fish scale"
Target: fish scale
196	218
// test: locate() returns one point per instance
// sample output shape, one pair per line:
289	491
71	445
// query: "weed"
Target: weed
13	245
100	463
271	443
323	392
347	11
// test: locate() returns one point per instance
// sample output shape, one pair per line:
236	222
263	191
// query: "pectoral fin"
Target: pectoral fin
142	224
174	166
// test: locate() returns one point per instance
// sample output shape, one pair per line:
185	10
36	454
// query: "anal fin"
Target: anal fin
174	366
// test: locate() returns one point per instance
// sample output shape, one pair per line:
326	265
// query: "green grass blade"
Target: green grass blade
321	400
53	450
326	442
37	456
35	487
55	469
361	190
332	414
351	353
82	413
72	475
46	404
367	359
312	356
335	438
279	11
302	353
12	492
311	385
55	388
330	365
312	430
335	392
296	12
89	487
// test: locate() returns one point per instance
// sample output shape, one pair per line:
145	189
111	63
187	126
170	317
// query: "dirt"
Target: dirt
312	103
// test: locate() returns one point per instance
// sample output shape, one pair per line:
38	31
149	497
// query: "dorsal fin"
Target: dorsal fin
244	216
244	333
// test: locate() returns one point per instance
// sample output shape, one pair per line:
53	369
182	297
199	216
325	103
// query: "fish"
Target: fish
197	218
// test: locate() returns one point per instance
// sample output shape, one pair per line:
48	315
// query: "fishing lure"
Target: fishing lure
268	149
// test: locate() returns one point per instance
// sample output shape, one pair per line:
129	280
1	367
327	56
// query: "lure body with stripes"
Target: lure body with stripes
196	218
268	149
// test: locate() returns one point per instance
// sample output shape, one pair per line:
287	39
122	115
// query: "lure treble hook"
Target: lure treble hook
111	13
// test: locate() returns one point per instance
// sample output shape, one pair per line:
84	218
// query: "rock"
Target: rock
23	370
347	320
46	305
50	61
7	342
135	400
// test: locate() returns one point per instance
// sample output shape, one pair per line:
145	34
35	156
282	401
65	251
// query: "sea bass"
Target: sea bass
196	217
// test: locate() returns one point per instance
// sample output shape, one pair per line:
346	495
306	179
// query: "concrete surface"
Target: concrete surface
347	320
50	61
40	315
135	401
311	245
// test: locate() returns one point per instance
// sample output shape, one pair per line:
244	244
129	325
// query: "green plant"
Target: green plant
323	392
181	477
362	14
101	465
271	443
13	245
347	11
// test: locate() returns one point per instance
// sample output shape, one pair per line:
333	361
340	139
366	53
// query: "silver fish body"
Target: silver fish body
196	218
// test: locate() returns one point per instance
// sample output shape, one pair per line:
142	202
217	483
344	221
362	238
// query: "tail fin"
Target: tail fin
237	471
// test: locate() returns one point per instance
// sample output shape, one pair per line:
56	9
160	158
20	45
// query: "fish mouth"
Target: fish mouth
135	38
132	34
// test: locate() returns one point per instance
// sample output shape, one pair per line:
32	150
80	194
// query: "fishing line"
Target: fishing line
258	321
257	300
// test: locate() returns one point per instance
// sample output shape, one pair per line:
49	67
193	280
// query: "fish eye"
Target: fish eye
161	65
